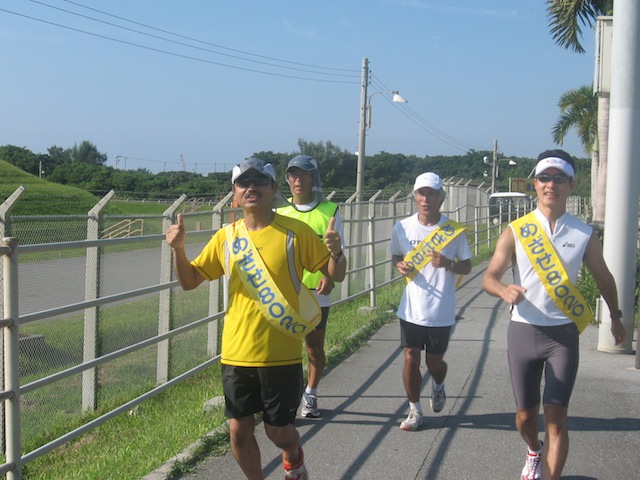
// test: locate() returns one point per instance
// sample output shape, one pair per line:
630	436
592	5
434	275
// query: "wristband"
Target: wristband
617	315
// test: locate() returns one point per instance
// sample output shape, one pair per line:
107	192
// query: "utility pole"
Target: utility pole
363	131
623	172
494	166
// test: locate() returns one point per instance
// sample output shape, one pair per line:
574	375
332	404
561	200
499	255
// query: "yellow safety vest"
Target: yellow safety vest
318	220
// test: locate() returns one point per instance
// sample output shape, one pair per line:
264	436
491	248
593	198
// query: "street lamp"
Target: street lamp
365	122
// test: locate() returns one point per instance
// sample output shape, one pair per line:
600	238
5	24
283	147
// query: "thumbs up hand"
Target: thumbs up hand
332	239
176	234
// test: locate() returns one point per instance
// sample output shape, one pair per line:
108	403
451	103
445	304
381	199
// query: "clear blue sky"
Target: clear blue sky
215	81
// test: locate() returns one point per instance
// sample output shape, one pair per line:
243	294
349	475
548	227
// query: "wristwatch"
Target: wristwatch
617	315
339	258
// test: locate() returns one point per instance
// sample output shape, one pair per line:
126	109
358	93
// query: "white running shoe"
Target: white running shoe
532	469
310	406
413	421
438	399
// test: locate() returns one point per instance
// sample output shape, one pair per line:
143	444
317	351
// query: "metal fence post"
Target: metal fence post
372	261
349	232
372	248
13	448
476	227
5	230
217	288
91	314
389	270
165	322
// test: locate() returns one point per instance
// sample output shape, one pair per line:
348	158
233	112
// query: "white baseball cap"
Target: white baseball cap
428	179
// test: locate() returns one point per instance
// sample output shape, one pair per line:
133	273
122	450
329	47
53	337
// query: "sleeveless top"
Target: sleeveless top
570	239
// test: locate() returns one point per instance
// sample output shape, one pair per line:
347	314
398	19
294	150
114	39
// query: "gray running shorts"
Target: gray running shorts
532	350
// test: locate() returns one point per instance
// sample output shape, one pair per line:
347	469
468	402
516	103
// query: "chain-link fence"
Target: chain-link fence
104	326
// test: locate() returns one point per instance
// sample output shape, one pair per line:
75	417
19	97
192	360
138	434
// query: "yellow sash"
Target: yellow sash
275	308
420	256
546	263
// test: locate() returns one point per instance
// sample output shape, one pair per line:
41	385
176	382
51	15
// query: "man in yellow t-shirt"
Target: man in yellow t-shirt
258	360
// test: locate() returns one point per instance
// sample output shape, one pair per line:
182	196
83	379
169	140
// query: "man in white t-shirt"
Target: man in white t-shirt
427	306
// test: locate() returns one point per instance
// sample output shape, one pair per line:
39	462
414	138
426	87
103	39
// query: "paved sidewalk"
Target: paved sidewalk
362	402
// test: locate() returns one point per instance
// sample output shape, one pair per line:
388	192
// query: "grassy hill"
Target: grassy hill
41	197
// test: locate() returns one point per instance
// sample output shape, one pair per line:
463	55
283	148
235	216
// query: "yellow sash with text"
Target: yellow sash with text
273	305
551	271
420	256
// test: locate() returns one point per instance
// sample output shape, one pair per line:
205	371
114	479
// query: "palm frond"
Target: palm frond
579	111
567	16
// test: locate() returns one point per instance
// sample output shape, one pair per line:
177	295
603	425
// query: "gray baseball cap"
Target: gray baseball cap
309	164
259	166
304	162
253	163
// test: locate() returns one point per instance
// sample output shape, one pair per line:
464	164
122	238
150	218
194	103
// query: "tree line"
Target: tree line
83	166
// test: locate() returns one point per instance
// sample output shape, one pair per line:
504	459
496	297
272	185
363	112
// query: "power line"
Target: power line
422	123
166	52
183	43
209	43
406	110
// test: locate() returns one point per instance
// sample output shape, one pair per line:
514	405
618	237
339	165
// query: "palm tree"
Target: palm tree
579	111
565	18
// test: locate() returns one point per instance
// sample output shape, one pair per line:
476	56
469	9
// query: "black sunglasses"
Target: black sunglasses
257	181
557	178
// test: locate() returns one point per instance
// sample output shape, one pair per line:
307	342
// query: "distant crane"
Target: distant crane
184	164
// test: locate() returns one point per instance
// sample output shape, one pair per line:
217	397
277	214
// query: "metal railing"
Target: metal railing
99	284
124	228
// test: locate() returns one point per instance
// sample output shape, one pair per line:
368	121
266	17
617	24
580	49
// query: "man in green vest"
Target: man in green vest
310	206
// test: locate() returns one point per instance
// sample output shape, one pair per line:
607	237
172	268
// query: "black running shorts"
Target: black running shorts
325	316
434	339
274	391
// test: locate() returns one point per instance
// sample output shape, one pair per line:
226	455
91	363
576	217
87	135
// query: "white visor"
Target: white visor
555	162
